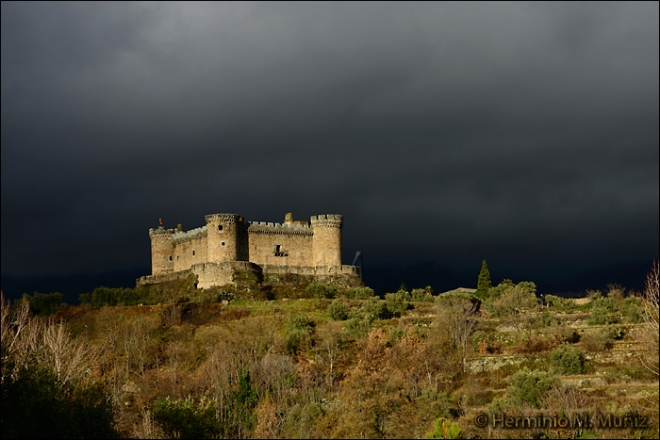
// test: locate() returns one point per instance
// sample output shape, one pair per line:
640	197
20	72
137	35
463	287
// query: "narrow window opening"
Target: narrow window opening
223	243
279	252
170	258
193	253
177	257
219	227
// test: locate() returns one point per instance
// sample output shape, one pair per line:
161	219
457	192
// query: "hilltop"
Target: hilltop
290	360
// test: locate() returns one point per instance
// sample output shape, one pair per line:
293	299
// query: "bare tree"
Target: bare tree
67	357
651	298
457	317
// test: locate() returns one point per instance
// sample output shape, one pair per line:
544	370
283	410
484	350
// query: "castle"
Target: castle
228	245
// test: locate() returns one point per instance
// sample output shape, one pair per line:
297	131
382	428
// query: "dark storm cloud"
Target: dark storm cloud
452	132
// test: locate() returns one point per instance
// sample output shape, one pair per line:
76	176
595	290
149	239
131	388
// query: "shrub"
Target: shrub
567	360
35	404
358	325
563	335
633	309
375	308
596	341
319	290
508	299
531	387
397	303
182	418
360	293
338	310
45	304
421	295
445	428
549	319
601	316
298	333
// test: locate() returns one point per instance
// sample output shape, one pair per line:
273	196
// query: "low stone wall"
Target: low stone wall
164	278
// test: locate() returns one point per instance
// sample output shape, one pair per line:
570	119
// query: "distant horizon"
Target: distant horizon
382	278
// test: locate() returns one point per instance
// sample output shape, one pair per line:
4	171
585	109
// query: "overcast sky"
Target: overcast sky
523	134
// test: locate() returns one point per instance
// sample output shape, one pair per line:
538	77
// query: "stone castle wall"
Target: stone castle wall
228	244
280	245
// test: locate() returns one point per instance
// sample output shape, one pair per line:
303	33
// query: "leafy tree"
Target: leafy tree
44	304
35	404
376	308
397	303
483	282
182	418
242	401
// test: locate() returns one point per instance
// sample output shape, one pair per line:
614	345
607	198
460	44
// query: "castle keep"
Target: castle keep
229	245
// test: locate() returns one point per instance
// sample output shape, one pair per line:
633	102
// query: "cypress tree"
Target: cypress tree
483	283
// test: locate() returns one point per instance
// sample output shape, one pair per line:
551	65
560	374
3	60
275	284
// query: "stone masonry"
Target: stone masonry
229	245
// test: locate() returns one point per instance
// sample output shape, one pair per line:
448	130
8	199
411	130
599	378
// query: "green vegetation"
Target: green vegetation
567	360
45	304
483	282
289	358
531	387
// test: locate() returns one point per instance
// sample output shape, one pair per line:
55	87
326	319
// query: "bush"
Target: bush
601	316
375	308
445	428
360	293
358	325
633	309
338	310
549	319
319	290
45	304
183	418
531	387
596	341
421	295
507	298
567	360
35	404
298	333
397	303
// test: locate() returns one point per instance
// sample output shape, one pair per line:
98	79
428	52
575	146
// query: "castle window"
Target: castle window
193	253
279	252
219	227
170	258
222	244
177	257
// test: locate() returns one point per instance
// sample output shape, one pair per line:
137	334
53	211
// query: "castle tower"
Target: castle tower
326	242
161	251
227	238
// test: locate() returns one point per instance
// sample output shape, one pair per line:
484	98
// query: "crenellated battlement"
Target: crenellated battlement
279	228
326	220
181	236
224	218
215	251
160	232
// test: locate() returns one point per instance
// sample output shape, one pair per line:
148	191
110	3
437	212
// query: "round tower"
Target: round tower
326	242
226	238
162	249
